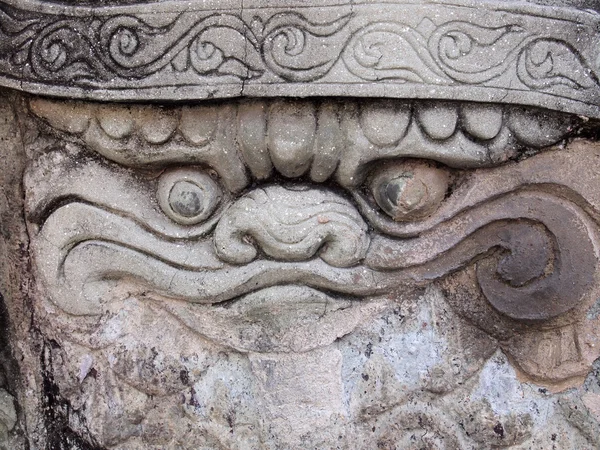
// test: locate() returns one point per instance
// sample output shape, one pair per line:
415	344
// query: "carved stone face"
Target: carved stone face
299	274
407	258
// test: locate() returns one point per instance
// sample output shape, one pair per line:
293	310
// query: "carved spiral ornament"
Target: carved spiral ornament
124	41
403	50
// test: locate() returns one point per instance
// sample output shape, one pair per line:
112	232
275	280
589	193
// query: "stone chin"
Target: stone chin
279	319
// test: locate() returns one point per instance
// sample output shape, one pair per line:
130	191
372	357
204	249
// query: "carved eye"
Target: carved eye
409	190
188	196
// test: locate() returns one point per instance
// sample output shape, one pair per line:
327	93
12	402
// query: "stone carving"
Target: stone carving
508	52
250	242
312	143
549	270
414	269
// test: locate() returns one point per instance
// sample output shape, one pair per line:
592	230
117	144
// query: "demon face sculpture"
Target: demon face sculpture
294	274
402	253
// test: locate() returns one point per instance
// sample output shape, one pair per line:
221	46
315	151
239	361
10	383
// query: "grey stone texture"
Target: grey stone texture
195	257
287	274
542	53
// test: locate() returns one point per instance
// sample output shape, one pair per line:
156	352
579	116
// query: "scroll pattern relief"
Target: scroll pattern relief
110	49
169	220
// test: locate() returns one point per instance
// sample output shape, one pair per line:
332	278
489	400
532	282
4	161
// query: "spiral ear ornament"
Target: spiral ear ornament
519	284
529	265
526	228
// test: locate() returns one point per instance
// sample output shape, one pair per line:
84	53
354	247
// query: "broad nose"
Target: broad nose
292	224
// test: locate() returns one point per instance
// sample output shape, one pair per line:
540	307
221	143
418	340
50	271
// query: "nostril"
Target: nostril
247	239
292	225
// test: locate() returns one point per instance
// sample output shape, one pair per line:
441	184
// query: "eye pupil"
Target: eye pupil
405	192
409	190
188	196
394	189
186	199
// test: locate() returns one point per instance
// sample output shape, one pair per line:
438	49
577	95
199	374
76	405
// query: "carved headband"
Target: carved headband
500	52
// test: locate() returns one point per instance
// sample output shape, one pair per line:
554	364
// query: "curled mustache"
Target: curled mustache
532	236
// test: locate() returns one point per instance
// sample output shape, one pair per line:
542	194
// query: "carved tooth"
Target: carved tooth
198	124
72	117
482	121
115	149
116	121
291	132
539	128
156	125
438	120
385	123
252	131
328	144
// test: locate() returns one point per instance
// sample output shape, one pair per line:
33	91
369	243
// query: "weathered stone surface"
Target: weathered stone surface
416	269
237	301
541	53
18	338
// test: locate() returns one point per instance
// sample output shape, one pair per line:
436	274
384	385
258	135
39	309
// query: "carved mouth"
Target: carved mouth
286	318
264	306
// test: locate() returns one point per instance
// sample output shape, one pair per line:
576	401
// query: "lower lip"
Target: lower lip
277	319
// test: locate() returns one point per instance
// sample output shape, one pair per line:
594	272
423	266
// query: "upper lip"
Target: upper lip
101	245
227	282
